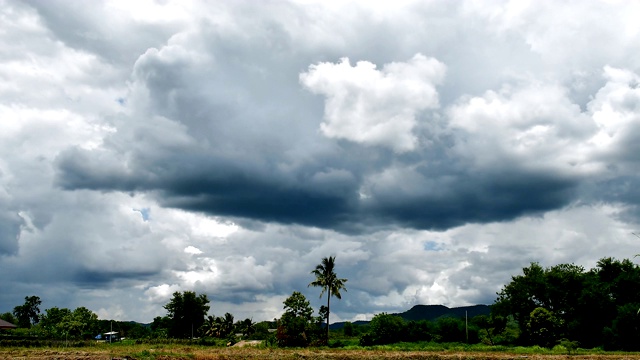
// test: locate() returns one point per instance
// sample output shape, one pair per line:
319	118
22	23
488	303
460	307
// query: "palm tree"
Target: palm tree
248	327
327	279
210	326
227	324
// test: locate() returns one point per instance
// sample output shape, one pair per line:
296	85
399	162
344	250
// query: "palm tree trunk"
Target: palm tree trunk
328	312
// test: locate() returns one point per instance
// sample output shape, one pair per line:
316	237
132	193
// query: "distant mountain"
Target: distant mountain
431	313
340	325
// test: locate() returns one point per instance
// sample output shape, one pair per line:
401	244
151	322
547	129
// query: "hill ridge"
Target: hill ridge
429	312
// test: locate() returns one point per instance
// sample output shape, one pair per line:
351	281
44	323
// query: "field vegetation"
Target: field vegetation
194	350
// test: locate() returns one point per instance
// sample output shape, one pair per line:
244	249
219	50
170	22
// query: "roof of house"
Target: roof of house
6	325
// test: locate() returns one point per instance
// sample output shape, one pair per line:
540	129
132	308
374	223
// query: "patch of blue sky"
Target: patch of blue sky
144	212
432	246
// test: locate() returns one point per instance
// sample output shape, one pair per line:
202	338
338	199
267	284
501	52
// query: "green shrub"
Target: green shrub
384	329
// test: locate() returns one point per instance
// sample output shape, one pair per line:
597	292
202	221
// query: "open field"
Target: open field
106	352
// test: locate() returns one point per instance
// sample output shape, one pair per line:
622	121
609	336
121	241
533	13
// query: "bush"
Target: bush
566	345
348	330
450	330
384	329
420	331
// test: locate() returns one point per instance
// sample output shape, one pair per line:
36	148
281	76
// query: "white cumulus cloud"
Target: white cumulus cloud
374	106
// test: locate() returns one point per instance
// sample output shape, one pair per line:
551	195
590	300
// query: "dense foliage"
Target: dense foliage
387	329
27	314
594	308
297	326
57	323
80	323
186	313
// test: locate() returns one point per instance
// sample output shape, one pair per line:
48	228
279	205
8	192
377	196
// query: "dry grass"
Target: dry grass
146	352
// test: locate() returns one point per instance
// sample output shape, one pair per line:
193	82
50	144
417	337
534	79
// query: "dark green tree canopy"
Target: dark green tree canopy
296	326
565	301
492	325
384	329
543	327
327	279
81	323
52	320
298	306
187	312
28	313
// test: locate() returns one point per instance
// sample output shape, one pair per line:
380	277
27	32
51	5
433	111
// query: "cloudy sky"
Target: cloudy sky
434	147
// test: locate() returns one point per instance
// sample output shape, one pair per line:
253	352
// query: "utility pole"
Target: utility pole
466	325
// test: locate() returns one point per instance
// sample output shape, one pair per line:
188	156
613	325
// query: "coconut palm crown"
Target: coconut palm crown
327	279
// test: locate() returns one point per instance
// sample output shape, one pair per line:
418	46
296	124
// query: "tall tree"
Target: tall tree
81	323
186	312
327	279
210	327
227	324
28	313
296	327
247	326
52	319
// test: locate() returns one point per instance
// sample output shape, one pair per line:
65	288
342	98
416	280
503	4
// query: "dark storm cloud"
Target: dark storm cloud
439	200
106	276
223	147
475	197
222	186
10	224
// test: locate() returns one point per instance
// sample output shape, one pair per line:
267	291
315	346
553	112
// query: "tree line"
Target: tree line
594	308
559	305
187	318
187	315
63	323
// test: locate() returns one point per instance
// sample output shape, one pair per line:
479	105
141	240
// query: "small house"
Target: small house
6	325
111	336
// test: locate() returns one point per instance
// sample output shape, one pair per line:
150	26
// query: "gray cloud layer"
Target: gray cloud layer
436	149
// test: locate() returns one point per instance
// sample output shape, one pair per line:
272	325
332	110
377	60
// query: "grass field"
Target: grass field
165	352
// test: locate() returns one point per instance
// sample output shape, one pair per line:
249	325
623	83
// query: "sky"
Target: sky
435	148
